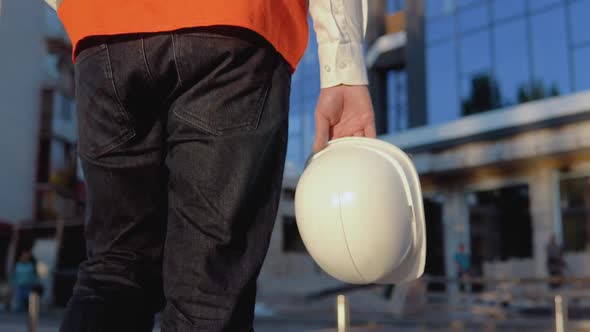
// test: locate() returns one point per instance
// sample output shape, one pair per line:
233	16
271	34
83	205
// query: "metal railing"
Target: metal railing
34	306
343	314
559	300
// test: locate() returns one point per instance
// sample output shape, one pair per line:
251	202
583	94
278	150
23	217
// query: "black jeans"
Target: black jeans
182	138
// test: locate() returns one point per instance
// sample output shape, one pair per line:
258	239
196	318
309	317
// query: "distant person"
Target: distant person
555	262
24	279
463	266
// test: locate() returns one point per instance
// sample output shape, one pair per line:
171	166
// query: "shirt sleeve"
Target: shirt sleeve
52	3
339	26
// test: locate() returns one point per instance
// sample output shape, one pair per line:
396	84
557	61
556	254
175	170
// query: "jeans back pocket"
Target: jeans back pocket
103	123
225	80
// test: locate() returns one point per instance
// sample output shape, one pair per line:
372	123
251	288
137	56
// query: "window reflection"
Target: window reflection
579	12
503	9
305	87
549	49
480	93
464	3
397	104
473	18
438	7
392	6
508	52
441	72
439	28
540	4
295	151
475	53
582	65
295	125
511	60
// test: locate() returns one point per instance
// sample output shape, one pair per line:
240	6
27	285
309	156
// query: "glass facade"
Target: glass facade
500	224
575	213
487	54
480	55
392	6
305	89
397	100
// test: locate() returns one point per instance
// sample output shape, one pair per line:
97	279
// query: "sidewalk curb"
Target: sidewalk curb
582	325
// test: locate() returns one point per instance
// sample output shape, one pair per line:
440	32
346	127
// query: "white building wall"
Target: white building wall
21	62
543	190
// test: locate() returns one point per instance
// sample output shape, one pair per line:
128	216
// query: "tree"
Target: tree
484	95
536	90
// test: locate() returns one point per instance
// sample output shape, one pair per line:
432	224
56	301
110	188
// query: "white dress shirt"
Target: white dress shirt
340	28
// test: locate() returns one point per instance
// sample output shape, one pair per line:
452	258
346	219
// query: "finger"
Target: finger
322	130
370	130
360	133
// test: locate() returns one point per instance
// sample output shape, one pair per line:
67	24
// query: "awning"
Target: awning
387	52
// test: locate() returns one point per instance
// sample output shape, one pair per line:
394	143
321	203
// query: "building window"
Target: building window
305	89
439	28
579	22
575	213
397	103
473	18
467	3
441	75
542	4
500	224
392	6
505	9
511	60
549	52
582	65
505	52
438	7
292	241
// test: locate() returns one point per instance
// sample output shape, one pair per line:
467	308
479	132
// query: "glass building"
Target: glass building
305	90
491	98
484	55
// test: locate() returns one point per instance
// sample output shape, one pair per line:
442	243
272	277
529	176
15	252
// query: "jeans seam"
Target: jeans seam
125	136
82	56
111	77
175	58
196	122
94	158
147	67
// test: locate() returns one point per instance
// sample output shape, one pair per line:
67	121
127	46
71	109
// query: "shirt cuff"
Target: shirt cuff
342	64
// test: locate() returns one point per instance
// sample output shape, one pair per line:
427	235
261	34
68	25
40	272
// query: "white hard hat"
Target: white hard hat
359	211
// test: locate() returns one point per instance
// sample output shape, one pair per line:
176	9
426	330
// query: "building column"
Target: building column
416	63
544	207
377	79
456	230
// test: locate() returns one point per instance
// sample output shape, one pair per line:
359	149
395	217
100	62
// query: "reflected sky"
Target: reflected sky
525	50
539	47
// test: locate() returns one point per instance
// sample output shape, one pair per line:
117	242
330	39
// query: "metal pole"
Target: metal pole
560	314
33	312
343	314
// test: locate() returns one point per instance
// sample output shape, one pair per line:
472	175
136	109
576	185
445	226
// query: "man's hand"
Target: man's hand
343	110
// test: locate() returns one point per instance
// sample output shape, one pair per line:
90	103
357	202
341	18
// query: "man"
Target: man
182	110
463	266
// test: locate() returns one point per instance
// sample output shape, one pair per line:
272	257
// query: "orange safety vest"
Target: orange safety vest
282	22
